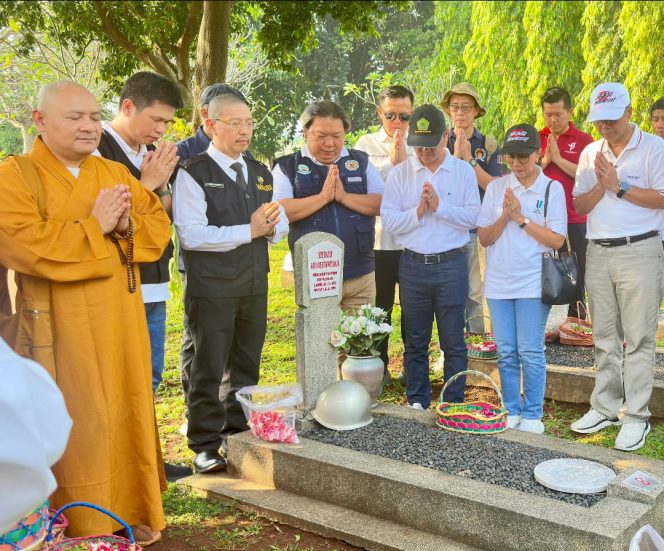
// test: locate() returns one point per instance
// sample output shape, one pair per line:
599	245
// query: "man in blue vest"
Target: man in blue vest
326	187
224	215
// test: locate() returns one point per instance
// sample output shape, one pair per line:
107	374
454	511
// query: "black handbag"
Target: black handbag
560	271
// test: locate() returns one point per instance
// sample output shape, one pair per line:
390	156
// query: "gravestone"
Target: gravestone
319	261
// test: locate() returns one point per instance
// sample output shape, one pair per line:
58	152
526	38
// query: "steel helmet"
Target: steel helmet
343	405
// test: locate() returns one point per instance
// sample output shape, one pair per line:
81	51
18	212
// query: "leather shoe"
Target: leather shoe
176	472
209	461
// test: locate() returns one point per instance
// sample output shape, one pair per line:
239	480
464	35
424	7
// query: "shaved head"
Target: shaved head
69	121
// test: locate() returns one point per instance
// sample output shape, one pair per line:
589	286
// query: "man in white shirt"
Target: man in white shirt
430	203
224	215
620	185
386	149
326	187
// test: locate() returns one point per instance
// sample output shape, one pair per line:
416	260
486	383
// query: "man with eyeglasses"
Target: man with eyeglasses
431	202
462	104
224	215
326	187
386	149
620	186
562	144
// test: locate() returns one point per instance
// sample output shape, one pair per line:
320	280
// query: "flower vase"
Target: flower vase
366	370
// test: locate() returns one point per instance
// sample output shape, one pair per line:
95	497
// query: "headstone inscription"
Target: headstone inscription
319	260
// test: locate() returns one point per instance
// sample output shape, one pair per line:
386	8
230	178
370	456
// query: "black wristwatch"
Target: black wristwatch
524	223
623	187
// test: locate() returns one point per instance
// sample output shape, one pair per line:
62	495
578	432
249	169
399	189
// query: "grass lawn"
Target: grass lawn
193	519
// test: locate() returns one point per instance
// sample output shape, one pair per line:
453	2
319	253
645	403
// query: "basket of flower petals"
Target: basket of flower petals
481	346
471	417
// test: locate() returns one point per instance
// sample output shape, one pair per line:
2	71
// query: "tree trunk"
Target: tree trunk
28	137
212	49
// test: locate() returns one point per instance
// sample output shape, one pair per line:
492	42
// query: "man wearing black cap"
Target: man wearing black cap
430	203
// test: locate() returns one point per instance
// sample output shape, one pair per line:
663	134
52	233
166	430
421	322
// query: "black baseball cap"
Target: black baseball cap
426	126
522	139
219	89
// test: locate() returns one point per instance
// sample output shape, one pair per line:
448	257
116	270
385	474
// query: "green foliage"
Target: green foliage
10	140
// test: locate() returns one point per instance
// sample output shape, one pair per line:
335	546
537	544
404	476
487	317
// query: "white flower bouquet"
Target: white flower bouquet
358	334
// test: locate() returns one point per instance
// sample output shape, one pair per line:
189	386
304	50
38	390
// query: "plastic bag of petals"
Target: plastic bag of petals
270	411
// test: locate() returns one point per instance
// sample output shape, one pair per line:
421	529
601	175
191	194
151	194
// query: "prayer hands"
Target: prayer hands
264	219
398	148
111	208
512	206
461	145
606	173
429	200
158	165
552	150
328	192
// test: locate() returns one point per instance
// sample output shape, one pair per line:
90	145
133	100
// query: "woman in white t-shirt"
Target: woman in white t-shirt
511	226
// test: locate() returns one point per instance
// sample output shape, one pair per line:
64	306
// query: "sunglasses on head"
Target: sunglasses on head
403	117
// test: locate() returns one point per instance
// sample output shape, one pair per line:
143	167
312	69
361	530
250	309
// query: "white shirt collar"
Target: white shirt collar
126	148
305	153
222	159
540	181
445	165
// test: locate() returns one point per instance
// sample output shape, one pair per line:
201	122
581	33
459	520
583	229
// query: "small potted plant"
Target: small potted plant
357	336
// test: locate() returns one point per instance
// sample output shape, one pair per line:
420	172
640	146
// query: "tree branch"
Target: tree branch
115	35
191	28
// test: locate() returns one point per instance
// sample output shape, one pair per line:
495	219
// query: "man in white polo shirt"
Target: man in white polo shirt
620	185
430	203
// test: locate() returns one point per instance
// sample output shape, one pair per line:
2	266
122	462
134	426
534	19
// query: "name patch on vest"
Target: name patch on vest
352	165
355	178
303	169
213	184
264	187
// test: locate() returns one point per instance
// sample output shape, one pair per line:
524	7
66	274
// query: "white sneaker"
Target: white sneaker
183	429
417	406
513	421
592	422
531	425
632	436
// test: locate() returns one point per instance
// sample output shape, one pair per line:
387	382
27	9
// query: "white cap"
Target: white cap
608	102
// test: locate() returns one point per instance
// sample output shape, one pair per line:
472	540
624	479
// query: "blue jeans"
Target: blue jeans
155	312
518	326
427	290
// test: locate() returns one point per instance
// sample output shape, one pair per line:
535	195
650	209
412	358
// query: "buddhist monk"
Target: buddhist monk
98	221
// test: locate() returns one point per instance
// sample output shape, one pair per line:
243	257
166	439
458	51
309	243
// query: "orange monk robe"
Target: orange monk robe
101	342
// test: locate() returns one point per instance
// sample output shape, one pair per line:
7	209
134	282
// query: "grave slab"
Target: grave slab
466	511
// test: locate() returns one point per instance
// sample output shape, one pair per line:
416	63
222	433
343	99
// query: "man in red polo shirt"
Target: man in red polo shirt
562	144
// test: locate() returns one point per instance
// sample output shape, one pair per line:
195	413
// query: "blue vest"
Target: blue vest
354	229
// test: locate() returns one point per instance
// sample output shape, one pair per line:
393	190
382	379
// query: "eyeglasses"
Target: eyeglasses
464	108
513	157
403	117
425	149
234	125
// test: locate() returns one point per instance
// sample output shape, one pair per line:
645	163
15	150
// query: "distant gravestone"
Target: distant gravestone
319	260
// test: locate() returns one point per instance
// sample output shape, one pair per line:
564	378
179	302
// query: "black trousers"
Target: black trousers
576	233
228	335
387	277
186	345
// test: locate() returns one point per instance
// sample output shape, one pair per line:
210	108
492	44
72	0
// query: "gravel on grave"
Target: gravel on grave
480	457
584	356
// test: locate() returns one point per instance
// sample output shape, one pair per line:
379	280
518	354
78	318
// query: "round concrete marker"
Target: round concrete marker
574	476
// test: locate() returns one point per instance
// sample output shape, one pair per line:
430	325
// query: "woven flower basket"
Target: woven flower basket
91	543
28	534
473	351
471	417
575	331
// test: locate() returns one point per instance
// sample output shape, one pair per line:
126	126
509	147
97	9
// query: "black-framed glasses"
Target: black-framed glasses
403	117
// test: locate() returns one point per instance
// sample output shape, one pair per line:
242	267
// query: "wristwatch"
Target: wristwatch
473	162
164	193
623	187
525	222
